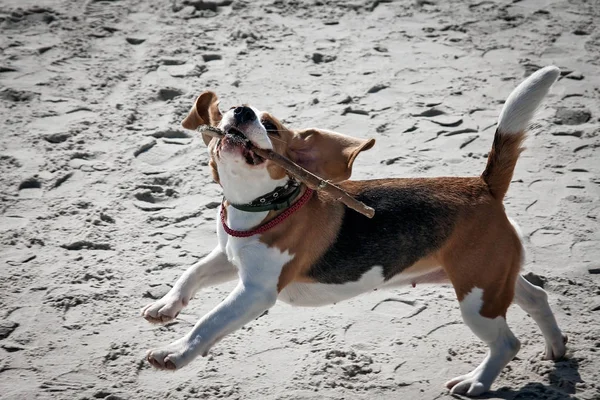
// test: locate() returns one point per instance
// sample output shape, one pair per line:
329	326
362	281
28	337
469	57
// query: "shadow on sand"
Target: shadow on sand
563	379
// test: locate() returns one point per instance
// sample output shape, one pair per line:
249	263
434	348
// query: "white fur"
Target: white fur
503	346
517	228
525	99
519	232
235	177
408	277
320	294
258	268
211	270
257	265
254	131
534	301
241	182
241	220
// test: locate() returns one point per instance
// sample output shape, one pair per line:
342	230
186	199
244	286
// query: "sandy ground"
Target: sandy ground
104	199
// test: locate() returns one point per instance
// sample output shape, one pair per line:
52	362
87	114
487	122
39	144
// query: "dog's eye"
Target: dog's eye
270	127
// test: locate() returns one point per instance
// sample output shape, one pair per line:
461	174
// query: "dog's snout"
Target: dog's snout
243	115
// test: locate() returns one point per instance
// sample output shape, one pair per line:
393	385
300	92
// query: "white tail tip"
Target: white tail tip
525	99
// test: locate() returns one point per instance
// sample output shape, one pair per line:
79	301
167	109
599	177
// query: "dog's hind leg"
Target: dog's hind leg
482	260
503	346
210	270
534	301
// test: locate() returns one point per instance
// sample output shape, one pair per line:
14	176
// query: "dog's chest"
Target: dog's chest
250	256
250	252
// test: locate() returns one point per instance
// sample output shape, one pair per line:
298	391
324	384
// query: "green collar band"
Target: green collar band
280	198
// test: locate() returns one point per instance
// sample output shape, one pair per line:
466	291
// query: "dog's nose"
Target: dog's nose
243	115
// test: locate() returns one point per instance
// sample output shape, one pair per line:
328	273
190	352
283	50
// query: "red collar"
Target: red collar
266	226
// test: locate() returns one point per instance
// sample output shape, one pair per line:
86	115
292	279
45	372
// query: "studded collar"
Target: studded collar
278	199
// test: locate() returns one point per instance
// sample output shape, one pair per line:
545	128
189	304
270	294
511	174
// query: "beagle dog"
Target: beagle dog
284	241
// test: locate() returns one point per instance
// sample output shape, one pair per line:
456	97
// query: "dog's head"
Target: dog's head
327	154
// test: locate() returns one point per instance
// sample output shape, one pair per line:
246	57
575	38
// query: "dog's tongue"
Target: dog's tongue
257	159
252	158
241	139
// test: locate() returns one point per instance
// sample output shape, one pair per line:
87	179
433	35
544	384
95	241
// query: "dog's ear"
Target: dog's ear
329	155
204	112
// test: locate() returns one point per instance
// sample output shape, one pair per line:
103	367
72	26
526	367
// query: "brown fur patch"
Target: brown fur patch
212	164
424	266
205	111
280	140
501	162
485	252
307	234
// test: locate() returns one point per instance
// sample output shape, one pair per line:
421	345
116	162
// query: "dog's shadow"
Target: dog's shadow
563	379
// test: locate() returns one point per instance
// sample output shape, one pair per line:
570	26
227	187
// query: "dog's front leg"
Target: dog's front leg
255	293
245	303
213	269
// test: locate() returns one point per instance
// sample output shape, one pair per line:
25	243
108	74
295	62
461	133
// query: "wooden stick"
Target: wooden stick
305	176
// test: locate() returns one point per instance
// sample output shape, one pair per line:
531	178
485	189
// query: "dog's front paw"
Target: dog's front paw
165	309
171	357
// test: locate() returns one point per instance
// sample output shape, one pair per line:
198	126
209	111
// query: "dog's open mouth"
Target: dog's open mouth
237	138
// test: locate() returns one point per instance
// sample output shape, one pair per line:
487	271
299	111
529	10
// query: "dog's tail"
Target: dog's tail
512	125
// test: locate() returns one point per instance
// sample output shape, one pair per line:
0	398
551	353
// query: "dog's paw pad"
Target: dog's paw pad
171	357
468	385
164	310
556	348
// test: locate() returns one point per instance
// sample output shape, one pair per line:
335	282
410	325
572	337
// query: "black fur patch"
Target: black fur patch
410	222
